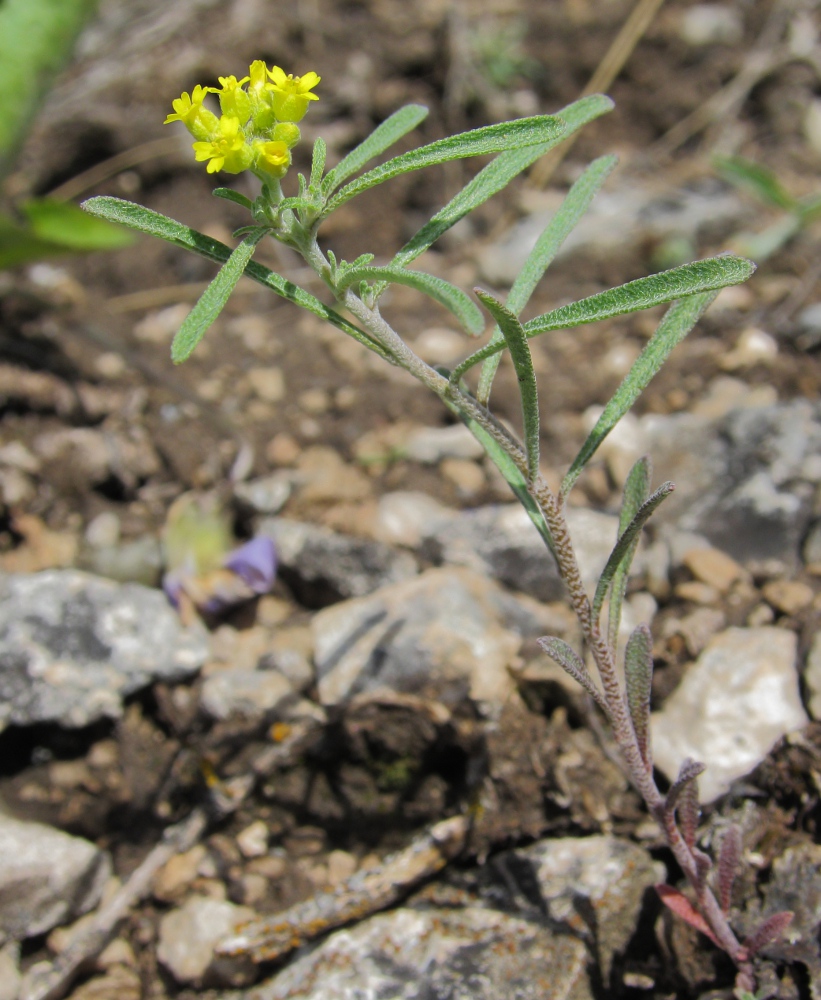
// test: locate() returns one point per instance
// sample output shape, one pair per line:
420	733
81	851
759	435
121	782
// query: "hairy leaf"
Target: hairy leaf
575	204
212	300
383	136
636	492
571	663
522	362
144	220
638	669
773	927
229	194
762	182
728	858
441	291
318	161
490	139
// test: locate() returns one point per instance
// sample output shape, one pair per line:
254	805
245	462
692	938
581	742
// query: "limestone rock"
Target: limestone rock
189	935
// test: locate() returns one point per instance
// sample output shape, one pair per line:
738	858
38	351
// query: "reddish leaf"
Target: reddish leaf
682	907
767	931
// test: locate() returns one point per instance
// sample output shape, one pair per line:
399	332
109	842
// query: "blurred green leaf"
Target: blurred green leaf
763	183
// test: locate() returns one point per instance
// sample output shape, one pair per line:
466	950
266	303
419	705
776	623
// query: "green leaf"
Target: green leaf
678	321
575	204
443	292
497	175
638	671
490	139
229	194
318	162
627	539
571	663
759	180
636	492
213	299
520	355
36	40
643	293
383	136
144	220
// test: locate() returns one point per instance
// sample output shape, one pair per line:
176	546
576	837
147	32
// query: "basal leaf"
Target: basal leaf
213	299
443	292
383	136
490	139
638	670
520	355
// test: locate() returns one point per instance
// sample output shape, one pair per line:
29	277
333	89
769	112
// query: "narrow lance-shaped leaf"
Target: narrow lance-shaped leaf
229	194
318	161
572	664
643	293
638	669
522	362
490	139
770	929
761	181
212	300
682	907
511	469
575	204
729	856
383	136
625	541
144	220
636	492
497	175
678	321
441	291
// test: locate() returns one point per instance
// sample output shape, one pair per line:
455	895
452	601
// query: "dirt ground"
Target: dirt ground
86	346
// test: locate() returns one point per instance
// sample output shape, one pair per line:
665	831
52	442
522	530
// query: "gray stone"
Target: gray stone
405	517
323	566
188	938
430	445
501	541
46	877
467	954
140	561
72	646
449	633
249	693
734	703
812	677
267	495
595	886
10	978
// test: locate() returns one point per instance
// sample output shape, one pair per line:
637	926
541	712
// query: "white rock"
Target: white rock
10	978
430	445
711	24
253	840
249	693
737	700
46	877
189	935
406	517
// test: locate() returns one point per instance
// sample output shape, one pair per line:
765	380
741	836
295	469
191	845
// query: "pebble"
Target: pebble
188	937
325	477
251	694
405	517
140	561
74	645
788	596
697	628
341	865
268	384
17	456
253	840
812	677
46	877
711	24
697	592
159	326
429	445
177	874
812	128
290	652
468	477
315	401
282	449
10	978
267	495
713	567
103	530
753	347
119	983
438	345
733	704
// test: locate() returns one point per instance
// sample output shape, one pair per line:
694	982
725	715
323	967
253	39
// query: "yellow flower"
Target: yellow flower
291	93
234	102
273	158
188	109
227	150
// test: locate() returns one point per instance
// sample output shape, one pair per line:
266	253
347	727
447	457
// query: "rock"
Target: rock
188	937
251	694
448	634
140	561
323	477
725	393
406	517
253	840
733	704
322	566
160	326
46	877
267	495
118	983
795	885
290	651
177	874
72	646
788	596
811	551
713	567
711	24
697	628
594	885
439	345
429	445
405	954
812	677
753	347
10	978
267	383
501	541
468	477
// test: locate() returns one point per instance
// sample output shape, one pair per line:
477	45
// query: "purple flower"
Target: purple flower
255	563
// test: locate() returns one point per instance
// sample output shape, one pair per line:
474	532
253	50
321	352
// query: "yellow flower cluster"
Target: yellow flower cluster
257	128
